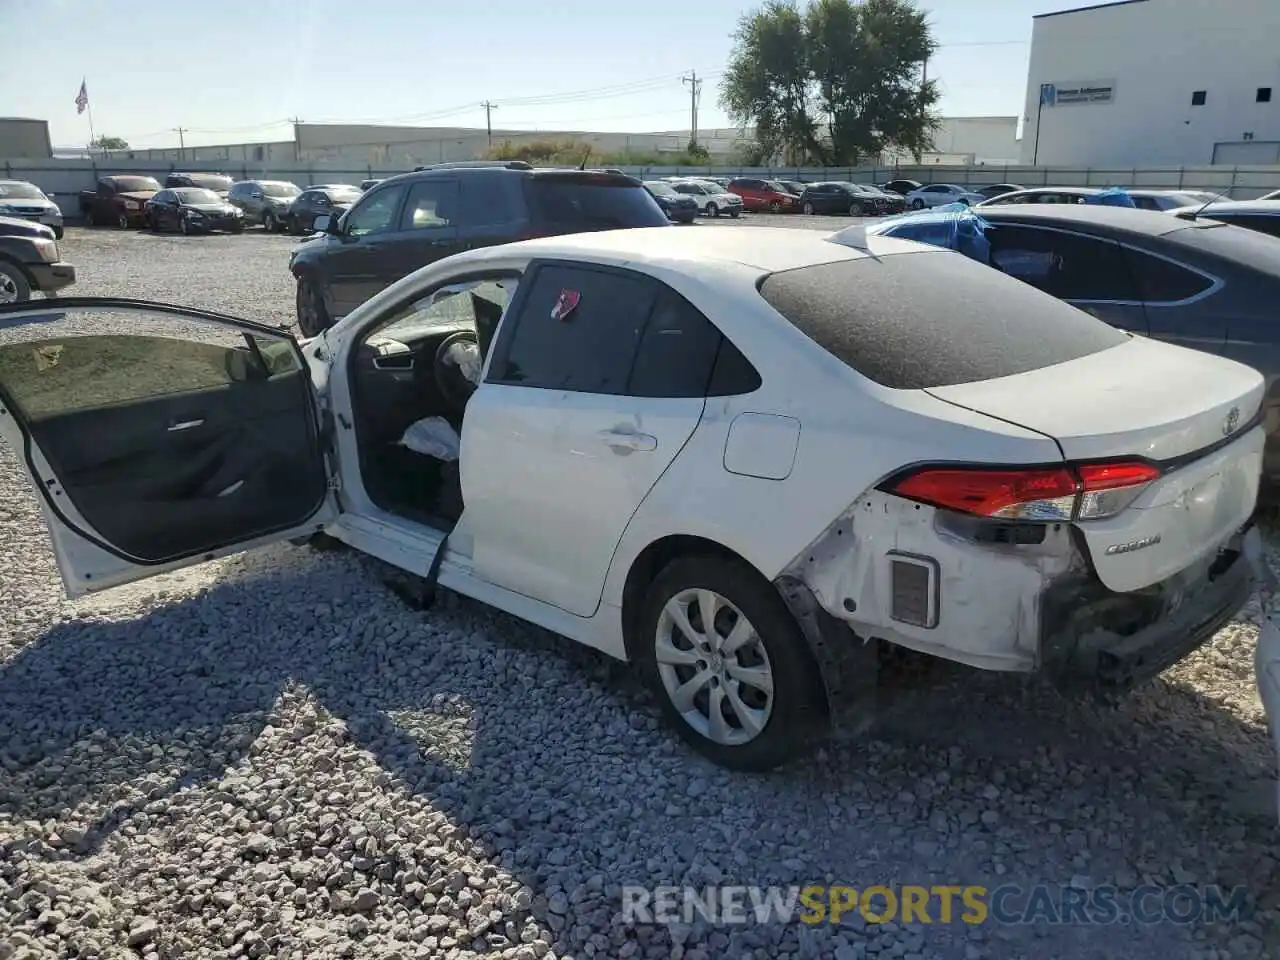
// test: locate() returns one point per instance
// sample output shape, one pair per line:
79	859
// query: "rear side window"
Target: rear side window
1070	266
591	202
932	319
1163	281
483	202
677	351
577	330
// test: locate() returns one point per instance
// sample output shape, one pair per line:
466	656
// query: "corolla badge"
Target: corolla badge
1132	545
1233	420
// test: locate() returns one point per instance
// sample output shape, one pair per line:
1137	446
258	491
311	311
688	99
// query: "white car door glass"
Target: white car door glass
558	451
157	437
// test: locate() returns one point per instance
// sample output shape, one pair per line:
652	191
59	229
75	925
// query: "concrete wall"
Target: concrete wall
66	178
1144	59
981	139
20	137
280	151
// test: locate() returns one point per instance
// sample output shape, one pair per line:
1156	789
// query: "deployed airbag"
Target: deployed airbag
432	437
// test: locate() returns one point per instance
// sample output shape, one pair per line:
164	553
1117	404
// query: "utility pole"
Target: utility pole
488	119
924	82
182	143
695	92
297	152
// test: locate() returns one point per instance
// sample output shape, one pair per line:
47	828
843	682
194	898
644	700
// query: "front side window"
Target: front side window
377	215
431	204
1069	266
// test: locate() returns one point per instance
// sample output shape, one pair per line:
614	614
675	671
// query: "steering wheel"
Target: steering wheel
454	384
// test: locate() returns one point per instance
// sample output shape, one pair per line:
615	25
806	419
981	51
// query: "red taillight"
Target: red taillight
1070	492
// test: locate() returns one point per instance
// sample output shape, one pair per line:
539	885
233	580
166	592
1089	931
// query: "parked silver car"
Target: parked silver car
937	194
18	198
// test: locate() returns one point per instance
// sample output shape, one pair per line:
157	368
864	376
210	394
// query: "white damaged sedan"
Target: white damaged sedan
744	460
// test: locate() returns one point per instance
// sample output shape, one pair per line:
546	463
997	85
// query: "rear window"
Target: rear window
1245	247
591	202
932	319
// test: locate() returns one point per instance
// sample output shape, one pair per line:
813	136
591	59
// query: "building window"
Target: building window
1198	97
1264	95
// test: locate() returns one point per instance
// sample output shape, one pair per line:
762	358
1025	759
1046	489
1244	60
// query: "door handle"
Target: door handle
185	425
620	440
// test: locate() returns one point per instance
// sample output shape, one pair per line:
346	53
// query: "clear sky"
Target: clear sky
232	71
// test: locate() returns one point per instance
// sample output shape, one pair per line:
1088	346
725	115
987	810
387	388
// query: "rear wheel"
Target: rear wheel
14	286
808	209
184	227
313	315
855	209
729	665
713	210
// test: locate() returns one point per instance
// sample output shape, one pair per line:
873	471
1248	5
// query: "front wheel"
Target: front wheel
313	315
735	214
729	664
713	210
855	210
122	221
808	210
775	206
917	204
58	232
14	286
269	222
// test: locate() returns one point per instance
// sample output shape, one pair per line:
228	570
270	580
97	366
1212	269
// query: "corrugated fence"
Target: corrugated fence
66	178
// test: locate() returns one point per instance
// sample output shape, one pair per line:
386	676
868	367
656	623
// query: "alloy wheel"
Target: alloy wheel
714	667
9	292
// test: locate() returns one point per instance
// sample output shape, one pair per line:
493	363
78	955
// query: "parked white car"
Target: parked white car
18	198
733	458
712	198
936	194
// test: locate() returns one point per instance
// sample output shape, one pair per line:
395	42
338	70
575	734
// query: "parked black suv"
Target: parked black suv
414	219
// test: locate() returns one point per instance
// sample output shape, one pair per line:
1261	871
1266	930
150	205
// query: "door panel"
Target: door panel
551	479
158	436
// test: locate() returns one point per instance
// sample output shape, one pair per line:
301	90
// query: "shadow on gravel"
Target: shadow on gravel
570	783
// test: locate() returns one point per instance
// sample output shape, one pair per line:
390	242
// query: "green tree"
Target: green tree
834	84
110	143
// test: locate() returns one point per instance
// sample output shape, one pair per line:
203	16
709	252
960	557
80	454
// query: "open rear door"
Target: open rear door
157	437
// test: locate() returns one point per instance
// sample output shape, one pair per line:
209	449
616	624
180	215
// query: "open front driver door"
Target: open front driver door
157	437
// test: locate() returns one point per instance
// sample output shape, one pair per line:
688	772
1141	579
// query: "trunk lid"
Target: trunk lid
1191	413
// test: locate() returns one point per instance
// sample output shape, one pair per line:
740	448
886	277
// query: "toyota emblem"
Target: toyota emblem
1232	421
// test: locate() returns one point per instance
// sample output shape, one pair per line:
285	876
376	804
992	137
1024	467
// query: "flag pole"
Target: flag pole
88	106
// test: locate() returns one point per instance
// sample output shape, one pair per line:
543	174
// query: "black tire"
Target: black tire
313	315
238	228
91	218
775	206
712	210
807	209
122	221
184	226
917	204
14	285
797	718
270	223
735	214
58	232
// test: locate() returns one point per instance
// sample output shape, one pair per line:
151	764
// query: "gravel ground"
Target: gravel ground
270	755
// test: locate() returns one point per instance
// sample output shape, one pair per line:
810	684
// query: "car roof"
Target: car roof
769	249
1265	207
1151	223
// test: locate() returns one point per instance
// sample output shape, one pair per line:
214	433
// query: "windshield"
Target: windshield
280	190
342	194
661	189
210	181
196	195
591	202
16	190
136	184
775	185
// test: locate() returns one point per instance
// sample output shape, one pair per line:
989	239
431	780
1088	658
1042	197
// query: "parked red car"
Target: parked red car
760	194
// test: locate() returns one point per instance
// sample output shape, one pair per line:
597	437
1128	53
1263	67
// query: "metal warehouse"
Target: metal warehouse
1154	83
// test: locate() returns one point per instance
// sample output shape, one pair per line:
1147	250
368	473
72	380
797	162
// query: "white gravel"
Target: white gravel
270	755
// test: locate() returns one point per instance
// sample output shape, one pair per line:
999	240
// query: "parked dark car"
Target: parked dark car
192	210
761	194
264	201
328	200
120	201
1260	215
30	260
219	183
1197	283
794	186
997	189
678	207
902	187
414	219
836	197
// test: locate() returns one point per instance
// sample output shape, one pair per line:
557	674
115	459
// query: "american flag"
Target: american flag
82	98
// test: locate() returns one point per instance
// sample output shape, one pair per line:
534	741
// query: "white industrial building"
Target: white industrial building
1155	83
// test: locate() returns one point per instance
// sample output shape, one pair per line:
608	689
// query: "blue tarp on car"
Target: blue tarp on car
1111	197
955	226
